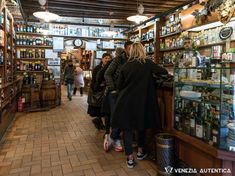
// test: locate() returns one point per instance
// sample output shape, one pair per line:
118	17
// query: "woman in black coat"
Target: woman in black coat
136	107
96	92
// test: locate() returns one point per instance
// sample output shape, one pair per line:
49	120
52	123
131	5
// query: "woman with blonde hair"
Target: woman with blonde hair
136	107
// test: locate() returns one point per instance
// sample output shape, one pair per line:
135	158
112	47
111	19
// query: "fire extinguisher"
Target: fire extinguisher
20	104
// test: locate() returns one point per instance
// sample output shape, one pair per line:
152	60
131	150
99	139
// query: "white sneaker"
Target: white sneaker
107	142
117	146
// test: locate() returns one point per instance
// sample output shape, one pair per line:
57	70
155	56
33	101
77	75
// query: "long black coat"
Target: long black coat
136	106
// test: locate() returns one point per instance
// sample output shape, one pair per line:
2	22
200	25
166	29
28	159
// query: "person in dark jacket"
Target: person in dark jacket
136	107
69	78
97	88
111	76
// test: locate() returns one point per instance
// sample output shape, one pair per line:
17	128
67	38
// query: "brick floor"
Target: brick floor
62	142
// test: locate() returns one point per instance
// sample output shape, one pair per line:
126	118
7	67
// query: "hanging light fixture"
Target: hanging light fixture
45	15
139	17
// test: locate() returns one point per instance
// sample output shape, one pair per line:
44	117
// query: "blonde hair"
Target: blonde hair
137	52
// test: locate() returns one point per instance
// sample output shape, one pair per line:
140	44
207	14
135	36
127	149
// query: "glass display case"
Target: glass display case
205	103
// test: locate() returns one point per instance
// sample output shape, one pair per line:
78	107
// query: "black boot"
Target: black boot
74	91
81	91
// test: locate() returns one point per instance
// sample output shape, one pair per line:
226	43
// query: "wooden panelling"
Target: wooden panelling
102	8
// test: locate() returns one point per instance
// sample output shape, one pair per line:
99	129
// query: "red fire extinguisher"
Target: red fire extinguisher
20	104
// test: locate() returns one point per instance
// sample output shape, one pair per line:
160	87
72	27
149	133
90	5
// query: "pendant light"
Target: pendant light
45	15
139	17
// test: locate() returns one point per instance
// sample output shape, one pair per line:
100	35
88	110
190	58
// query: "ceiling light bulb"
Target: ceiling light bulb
46	16
137	18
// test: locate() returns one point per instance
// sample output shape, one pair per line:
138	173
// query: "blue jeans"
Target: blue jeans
115	134
69	89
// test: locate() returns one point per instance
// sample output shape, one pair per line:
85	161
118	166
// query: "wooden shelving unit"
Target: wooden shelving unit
10	84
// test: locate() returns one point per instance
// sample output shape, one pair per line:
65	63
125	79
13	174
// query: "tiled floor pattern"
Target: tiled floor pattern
62	141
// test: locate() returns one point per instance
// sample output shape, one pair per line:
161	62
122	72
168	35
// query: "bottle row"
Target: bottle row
20	27
209	36
28	40
29	66
148	35
149	47
172	25
31	53
170	43
171	57
198	120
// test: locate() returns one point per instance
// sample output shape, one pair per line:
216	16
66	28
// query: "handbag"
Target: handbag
160	79
95	98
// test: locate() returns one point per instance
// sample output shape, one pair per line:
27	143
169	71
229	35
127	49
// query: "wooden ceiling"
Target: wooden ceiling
106	9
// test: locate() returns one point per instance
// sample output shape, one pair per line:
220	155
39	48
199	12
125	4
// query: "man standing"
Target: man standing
69	77
191	57
111	76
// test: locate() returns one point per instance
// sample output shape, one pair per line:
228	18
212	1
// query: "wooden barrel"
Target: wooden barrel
48	93
26	93
165	153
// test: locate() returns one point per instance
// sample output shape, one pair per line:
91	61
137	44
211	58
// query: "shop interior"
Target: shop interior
197	101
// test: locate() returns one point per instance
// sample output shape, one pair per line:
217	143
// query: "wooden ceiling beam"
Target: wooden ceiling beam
102	10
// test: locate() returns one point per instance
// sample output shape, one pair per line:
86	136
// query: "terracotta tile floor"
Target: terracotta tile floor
62	141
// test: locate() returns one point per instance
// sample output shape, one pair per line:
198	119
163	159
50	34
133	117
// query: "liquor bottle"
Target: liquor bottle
208	128
18	66
199	127
42	53
1	81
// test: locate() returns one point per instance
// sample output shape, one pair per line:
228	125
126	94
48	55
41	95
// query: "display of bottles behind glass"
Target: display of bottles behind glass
29	66
31	53
32	40
198	120
148	35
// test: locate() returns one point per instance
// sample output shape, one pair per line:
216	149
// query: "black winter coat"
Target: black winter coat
112	73
136	106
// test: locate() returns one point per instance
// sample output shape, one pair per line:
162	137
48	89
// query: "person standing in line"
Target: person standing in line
111	76
136	107
79	80
106	104
69	78
96	93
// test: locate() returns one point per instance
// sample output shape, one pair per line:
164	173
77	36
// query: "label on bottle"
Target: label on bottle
177	119
215	139
199	131
192	123
23	100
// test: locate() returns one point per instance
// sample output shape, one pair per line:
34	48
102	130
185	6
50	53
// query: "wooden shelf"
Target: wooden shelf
172	34
148	40
171	49
33	46
67	36
211	150
31	59
9	84
29	71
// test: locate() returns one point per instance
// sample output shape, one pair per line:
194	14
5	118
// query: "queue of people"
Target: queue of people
122	91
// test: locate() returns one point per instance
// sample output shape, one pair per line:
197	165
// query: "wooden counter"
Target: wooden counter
192	151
